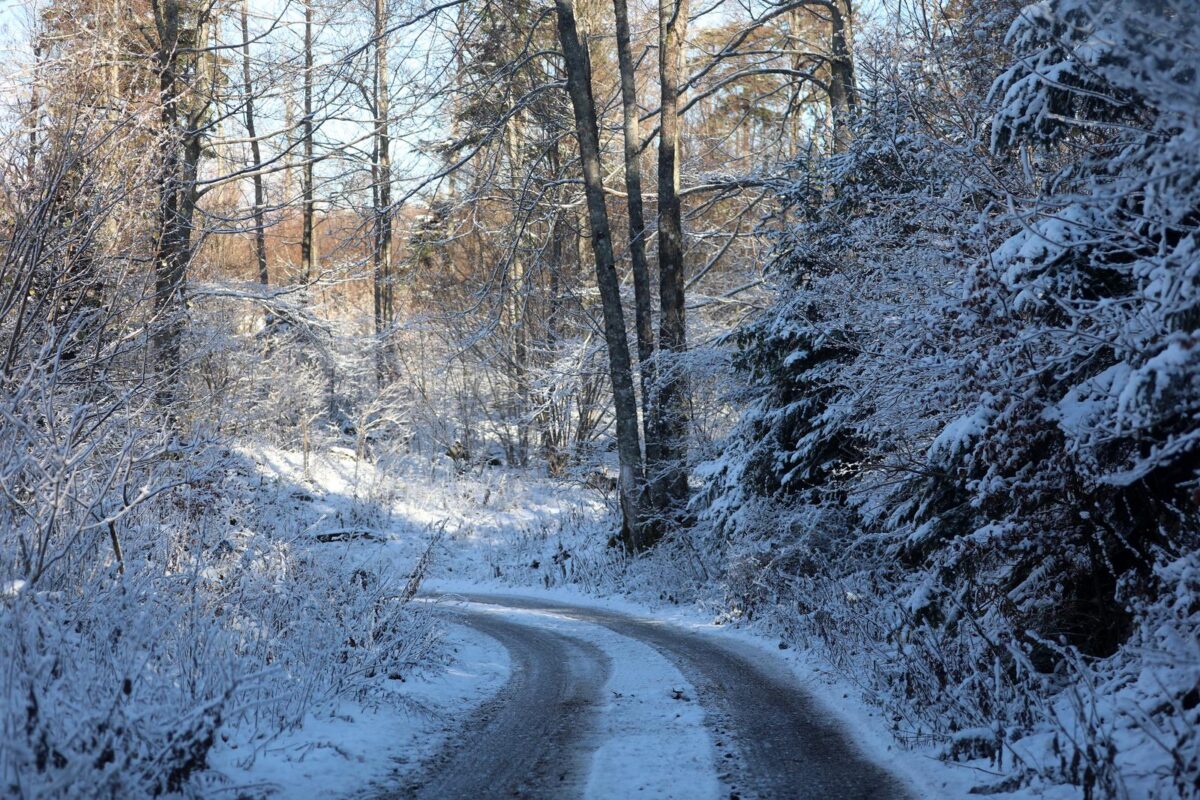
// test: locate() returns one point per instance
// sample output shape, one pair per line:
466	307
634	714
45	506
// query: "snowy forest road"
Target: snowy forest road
531	740
771	739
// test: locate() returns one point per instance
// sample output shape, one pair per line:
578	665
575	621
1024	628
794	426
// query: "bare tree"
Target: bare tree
843	96
178	27
672	392
381	251
643	300
260	225
307	255
579	86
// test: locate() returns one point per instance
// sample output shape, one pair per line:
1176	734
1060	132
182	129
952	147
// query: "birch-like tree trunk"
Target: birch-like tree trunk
307	245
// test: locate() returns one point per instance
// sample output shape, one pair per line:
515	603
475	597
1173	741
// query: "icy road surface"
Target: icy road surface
604	705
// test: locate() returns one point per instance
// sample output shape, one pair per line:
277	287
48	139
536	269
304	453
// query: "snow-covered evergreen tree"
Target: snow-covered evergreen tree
972	437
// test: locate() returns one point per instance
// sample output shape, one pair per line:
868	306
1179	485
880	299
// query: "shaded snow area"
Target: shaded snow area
353	749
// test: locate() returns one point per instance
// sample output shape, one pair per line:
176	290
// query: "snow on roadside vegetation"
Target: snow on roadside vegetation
227	622
567	559
351	749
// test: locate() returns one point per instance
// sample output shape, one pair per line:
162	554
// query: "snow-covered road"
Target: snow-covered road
602	704
532	739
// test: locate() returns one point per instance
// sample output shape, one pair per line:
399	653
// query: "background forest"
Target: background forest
876	325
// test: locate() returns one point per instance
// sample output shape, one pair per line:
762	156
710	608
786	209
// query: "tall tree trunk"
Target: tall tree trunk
382	250
289	132
579	86
306	180
643	319
843	97
35	105
180	145
517	297
672	487
260	227
557	256
549	433
114	46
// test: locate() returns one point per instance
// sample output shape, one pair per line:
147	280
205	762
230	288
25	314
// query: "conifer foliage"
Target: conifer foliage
974	403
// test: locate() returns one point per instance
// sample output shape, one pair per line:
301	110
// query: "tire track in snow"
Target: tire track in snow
535	737
773	741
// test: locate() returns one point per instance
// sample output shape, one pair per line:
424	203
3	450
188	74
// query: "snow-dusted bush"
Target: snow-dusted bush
119	682
156	591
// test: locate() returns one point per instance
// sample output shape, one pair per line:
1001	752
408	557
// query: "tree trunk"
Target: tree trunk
260	229
306	176
579	86
550	436
672	489
180	145
517	296
643	320
843	97
35	106
382	250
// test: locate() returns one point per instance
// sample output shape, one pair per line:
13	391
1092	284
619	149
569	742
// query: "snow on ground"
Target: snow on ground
342	506
654	743
928	777
349	749
494	521
480	512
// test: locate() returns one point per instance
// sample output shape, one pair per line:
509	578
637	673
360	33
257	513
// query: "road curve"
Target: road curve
772	739
532	740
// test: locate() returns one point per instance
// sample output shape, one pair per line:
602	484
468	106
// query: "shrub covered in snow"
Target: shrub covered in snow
157	592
